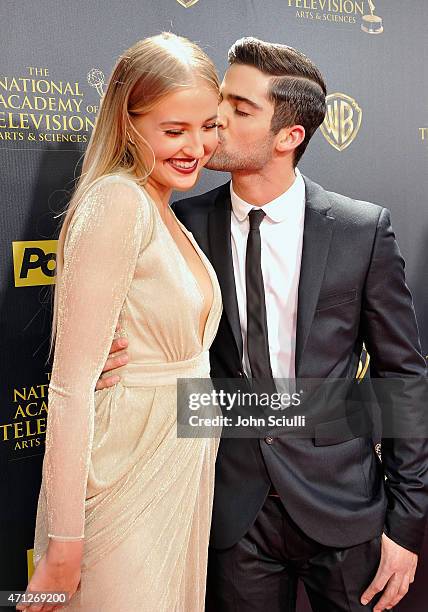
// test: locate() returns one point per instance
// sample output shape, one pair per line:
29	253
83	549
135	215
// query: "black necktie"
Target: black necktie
257	333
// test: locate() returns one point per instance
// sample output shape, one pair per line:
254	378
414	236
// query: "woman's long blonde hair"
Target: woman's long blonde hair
143	75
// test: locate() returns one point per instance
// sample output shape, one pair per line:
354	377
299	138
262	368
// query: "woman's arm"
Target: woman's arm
106	235
101	251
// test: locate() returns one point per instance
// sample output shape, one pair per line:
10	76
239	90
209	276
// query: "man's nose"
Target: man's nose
222	116
222	122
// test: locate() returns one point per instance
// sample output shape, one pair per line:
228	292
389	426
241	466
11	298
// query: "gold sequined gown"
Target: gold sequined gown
114	471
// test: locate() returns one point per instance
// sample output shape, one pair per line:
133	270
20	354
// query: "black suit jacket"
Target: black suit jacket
351	290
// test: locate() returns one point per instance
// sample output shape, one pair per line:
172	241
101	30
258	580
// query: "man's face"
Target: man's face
246	142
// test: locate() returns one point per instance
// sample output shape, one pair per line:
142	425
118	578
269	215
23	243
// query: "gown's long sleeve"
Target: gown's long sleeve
103	242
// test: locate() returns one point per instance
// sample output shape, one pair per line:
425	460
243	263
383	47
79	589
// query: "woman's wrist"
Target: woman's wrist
62	552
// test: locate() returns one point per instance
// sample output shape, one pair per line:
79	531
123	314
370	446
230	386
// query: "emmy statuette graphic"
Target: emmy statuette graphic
187	3
372	24
96	79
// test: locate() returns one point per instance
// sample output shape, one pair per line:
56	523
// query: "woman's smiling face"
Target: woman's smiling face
182	131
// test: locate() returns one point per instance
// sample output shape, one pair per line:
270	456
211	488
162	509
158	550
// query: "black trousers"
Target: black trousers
261	571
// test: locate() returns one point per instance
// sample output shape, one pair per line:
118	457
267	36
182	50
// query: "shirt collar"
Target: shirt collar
287	204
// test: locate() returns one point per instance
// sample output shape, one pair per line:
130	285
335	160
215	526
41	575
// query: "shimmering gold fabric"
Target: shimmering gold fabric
114	471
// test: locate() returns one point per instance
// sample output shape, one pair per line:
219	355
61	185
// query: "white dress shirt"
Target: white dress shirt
281	233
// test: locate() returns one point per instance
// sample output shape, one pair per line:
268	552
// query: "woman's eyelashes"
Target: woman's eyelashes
210	126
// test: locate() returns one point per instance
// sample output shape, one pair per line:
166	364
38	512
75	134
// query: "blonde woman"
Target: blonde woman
124	509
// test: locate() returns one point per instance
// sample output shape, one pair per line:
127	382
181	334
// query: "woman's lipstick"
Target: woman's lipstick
184	166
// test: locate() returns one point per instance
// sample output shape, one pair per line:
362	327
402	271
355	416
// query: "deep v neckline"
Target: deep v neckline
188	268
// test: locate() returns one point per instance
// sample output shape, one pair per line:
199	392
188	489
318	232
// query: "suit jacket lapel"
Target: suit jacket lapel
219	234
317	234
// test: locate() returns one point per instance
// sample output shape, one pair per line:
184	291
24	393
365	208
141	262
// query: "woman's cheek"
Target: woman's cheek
166	149
211	144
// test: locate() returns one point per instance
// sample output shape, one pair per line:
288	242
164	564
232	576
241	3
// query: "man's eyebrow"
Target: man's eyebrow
237	98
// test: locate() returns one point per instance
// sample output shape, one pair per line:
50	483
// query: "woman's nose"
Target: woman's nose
195	146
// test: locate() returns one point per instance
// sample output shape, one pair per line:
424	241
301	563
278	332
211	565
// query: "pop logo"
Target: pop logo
34	262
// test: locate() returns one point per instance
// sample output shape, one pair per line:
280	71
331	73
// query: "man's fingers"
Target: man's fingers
390	593
115	361
378	584
118	345
105	383
404	587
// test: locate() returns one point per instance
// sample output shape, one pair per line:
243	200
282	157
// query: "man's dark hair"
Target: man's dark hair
297	89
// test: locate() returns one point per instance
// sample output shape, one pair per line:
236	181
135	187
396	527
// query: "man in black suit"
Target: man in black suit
307	276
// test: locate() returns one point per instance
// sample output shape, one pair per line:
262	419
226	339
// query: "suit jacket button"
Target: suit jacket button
240	374
269	440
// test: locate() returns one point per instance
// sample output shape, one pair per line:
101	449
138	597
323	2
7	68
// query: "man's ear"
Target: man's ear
289	138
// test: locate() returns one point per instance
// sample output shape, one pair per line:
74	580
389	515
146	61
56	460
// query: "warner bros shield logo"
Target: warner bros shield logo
187	3
342	121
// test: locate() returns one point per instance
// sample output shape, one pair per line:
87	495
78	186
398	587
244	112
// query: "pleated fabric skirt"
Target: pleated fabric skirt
148	507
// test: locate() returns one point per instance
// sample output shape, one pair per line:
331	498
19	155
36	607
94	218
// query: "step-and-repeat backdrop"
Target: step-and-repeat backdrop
55	61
